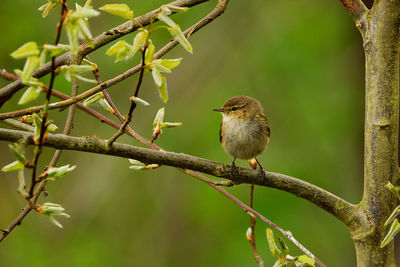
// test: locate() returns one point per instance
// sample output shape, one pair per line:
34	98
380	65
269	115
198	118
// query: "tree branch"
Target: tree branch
106	37
333	204
356	8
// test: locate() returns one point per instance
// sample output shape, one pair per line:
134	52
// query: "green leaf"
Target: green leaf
52	127
159	119
54	173
31	64
394	189
162	89
46	8
392	216
306	261
15	149
177	8
148	58
121	10
271	243
29	95
140	101
157	77
177	33
393	231
171	63
27	50
121	50
73	37
13	166
139	41
167	20
93	99
55	50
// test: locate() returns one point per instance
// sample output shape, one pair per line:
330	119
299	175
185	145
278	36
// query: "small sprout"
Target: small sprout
25	51
393	231
148	58
159	123
159	119
76	25
139	41
54	173
394	189
52	127
49	6
171	124
163	16
29	95
94	99
157	77
16	150
139	166
121	50
170	63
177	33
73	72
51	210
249	234
271	243
177	8
251	214
121	10
55	50
31	64
284	247
139	101
305	261
392	216
103	102
13	166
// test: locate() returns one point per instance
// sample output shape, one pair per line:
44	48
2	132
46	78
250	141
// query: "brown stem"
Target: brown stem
7	75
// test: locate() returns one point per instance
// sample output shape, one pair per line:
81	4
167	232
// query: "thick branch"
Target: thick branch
106	37
338	207
356	8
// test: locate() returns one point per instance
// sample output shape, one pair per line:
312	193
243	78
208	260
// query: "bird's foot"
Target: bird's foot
233	169
261	173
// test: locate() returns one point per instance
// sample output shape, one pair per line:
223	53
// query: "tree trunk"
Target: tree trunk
380	29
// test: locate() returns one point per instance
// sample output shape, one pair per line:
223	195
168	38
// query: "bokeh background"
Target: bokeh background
302	59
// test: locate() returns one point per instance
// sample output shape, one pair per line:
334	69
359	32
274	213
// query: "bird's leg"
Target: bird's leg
261	172
233	167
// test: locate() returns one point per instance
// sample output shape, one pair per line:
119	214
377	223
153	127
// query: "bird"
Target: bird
244	131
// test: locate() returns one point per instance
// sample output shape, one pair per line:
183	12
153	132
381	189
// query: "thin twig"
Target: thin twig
43	127
7	75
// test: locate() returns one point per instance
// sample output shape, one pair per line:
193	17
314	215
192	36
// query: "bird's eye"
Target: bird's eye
234	108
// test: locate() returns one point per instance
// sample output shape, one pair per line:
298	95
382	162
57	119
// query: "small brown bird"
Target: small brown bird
244	132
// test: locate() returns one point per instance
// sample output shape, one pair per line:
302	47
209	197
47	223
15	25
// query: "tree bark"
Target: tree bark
380	30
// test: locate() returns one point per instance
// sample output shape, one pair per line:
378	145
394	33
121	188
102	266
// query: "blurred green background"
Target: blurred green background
302	59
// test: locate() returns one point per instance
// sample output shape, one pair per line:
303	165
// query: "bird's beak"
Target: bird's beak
219	109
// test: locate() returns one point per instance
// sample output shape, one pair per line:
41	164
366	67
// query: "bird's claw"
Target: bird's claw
233	169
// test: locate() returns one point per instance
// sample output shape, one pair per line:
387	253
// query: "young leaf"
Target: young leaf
55	50
121	50
392	216
393	231
93	99
48	7
305	261
29	95
139	101
31	64
139	41
121	10
13	166
248	234
177	33
159	119
17	152
162	89
157	77
271	243
167	20
177	8
394	189
148	58
54	173
170	63
27	50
